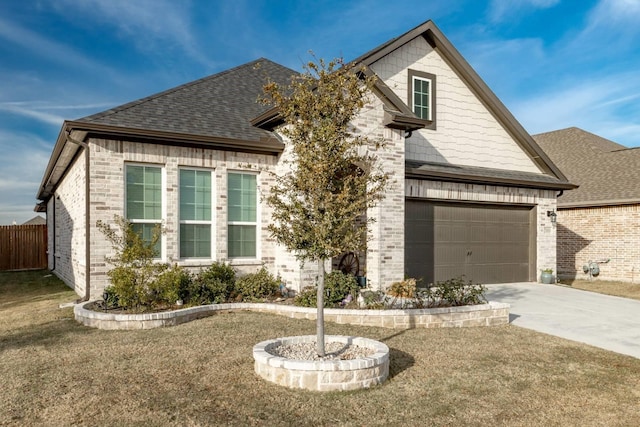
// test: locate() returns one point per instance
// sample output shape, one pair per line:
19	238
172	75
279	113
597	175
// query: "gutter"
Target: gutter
87	204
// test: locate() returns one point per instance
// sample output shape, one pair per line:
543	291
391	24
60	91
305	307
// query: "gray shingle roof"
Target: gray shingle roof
607	173
220	105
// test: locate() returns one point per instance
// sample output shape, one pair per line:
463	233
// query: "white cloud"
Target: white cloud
594	105
22	165
149	24
44	47
500	10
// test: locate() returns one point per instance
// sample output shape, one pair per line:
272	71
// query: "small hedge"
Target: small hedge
257	286
337	286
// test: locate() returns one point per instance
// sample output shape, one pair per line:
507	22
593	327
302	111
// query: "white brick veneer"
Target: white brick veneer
66	216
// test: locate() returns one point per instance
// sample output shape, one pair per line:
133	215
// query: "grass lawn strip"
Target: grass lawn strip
618	289
57	372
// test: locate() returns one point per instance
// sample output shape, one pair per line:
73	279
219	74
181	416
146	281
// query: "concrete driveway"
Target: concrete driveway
603	321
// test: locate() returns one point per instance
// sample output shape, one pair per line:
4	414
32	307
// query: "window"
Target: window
242	199
144	200
195	213
422	95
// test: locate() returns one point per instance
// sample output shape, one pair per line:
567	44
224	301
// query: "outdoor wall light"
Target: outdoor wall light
553	215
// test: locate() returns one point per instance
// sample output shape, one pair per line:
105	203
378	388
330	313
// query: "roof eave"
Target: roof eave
64	151
597	203
476	179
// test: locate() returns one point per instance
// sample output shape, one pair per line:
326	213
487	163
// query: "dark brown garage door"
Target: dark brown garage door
485	243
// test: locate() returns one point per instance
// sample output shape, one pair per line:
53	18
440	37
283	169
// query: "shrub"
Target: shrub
134	266
337	286
453	293
307	297
213	285
166	288
257	286
403	289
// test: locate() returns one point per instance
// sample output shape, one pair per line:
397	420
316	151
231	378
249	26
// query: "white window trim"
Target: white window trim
249	260
413	91
211	223
163	204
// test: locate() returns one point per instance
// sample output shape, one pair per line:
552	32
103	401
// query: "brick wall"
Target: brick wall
66	219
609	232
108	159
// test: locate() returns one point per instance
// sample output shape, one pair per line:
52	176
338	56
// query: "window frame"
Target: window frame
163	201
414	75
211	222
256	224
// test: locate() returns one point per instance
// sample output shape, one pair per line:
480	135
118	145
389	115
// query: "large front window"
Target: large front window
242	197
144	200
195	213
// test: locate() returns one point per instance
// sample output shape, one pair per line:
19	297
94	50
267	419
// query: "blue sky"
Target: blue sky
554	63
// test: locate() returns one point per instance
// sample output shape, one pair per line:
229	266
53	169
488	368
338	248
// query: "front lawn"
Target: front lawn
56	372
619	289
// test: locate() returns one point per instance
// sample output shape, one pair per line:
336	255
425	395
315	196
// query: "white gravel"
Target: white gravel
333	351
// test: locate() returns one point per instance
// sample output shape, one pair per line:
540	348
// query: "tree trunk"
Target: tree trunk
320	305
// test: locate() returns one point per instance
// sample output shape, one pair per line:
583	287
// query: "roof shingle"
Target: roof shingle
607	173
220	105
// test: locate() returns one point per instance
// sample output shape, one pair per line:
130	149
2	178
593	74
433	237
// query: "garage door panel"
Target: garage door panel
485	243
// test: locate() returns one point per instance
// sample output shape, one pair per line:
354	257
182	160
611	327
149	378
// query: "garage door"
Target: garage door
485	243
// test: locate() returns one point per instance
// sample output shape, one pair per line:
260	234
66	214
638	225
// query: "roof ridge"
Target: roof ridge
131	104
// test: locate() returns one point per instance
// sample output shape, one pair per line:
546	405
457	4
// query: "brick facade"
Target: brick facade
66	216
598	233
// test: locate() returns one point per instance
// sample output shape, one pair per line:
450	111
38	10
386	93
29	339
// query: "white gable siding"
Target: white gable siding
467	133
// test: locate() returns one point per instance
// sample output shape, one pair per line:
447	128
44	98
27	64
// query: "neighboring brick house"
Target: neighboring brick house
469	195
601	219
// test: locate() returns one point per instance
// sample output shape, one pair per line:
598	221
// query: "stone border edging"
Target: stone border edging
323	375
490	314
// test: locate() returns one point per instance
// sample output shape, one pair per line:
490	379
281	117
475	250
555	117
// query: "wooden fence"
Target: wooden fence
23	247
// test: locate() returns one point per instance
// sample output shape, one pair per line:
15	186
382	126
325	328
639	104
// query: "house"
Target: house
36	220
469	195
600	220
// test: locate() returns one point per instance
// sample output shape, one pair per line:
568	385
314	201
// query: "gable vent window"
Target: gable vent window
422	96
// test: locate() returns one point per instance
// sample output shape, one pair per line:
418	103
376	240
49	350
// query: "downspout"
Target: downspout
55	232
87	239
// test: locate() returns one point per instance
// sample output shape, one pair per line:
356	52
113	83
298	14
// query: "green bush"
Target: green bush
135	269
307	297
337	286
257	286
213	285
166	288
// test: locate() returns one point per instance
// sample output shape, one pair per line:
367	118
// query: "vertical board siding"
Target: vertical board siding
23	247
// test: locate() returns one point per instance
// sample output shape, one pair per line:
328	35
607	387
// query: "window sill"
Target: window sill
245	261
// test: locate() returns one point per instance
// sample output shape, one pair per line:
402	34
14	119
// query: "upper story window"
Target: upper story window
242	199
196	213
143	194
422	96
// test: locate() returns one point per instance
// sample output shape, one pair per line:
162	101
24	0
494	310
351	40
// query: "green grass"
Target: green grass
54	372
619	289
